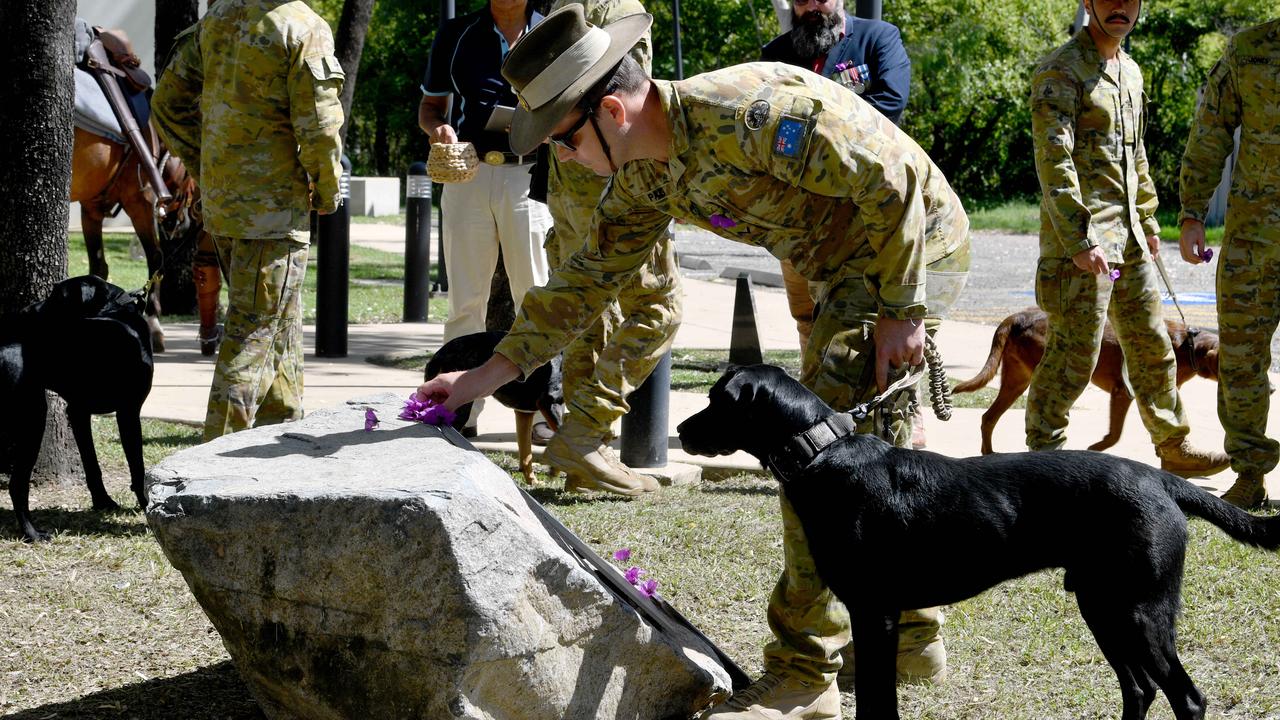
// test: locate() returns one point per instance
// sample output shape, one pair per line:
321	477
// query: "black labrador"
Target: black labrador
1117	527
89	343
541	392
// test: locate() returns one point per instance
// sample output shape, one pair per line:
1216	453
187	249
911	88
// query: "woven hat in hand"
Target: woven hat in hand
453	162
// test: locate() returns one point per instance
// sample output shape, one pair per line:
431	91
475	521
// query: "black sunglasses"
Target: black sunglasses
565	139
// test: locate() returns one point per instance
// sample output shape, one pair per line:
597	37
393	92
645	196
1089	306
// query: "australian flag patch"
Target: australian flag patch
789	140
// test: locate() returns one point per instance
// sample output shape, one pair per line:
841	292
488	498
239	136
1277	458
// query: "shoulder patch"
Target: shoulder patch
790	137
757	114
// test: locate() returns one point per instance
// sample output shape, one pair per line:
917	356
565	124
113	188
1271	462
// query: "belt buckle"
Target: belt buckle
494	157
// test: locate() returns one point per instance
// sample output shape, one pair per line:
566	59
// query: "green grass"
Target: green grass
1023	216
375	293
98	625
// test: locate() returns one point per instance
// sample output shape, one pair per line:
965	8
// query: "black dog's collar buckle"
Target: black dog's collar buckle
800	450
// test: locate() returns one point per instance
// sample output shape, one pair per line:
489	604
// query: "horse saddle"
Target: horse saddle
111	52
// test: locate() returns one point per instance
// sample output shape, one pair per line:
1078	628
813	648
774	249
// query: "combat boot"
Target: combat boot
1179	457
918	665
589	464
780	696
1248	492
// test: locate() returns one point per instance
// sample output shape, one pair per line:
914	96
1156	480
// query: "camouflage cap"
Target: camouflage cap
557	62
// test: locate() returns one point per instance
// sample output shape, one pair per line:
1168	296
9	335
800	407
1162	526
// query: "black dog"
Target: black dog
1116	526
89	343
540	392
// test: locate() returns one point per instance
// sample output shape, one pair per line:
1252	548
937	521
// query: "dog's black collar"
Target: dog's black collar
800	450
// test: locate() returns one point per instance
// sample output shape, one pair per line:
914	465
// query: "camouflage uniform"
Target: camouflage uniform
1243	91
613	356
256	120
778	157
1096	188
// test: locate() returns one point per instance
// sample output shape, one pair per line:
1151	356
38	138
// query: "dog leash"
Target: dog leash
1190	339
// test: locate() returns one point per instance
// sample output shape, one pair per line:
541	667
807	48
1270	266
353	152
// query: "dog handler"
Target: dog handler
767	154
1243	92
1097	213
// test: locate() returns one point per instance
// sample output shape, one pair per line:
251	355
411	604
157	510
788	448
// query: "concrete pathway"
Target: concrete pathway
182	378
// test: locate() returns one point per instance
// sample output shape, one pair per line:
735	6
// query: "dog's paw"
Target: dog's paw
33	534
106	505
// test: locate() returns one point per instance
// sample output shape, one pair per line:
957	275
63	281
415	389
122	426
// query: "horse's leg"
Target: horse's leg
91	225
141	214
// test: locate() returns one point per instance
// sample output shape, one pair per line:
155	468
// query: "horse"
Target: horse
106	175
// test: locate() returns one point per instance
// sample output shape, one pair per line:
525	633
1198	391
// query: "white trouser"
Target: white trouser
493	209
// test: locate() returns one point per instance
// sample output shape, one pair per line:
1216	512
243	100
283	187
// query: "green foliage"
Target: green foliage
714	34
971	66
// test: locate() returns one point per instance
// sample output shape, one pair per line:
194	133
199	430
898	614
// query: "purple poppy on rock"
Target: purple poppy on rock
370	419
633	574
648	588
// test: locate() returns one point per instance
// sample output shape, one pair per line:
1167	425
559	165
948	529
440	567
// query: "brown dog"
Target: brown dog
1018	346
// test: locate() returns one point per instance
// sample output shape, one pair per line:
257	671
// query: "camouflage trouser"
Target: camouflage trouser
258	377
1248	313
1078	303
604	364
808	623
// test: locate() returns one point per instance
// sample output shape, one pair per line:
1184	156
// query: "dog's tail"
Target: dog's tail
992	365
1263	532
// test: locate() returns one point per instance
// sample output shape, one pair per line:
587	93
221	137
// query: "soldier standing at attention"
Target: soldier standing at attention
1243	92
249	101
615	355
1099	237
766	154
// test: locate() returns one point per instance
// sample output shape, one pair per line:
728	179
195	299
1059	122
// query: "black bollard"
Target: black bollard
332	268
744	340
417	244
442	273
644	428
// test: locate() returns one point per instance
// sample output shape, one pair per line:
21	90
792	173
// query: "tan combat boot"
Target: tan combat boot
780	696
922	655
1248	492
589	464
1179	457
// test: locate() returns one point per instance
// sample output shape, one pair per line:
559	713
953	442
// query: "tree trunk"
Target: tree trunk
35	172
172	17
352	28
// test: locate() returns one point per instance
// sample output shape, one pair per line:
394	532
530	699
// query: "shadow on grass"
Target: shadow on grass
125	522
215	692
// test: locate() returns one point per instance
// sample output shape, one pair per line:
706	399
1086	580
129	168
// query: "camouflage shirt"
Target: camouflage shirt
770	155
571	187
1243	91
1087	127
249	101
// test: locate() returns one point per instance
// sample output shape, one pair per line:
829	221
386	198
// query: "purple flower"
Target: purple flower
622	555
370	419
648	588
633	574
426	411
1207	255
722	221
1114	275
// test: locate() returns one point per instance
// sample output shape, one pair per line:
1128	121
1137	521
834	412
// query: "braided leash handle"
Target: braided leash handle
939	388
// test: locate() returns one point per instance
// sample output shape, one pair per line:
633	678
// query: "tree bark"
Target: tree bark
353	26
35	172
172	17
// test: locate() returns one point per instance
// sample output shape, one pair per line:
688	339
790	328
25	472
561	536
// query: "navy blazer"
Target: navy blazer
874	43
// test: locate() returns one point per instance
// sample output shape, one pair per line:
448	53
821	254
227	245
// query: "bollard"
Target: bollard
334	238
417	244
644	428
744	341
442	273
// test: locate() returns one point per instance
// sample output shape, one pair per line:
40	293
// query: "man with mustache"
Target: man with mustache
868	58
1099	239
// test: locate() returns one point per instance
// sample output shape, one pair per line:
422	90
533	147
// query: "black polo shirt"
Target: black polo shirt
466	59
